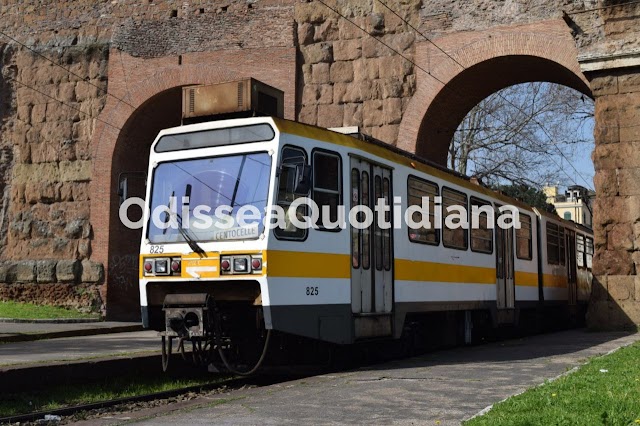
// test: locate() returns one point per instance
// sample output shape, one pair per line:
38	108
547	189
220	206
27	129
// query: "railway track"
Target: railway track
259	380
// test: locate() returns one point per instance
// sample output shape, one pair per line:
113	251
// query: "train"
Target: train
229	290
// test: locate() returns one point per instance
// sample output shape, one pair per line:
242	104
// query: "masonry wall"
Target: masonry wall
51	250
616	297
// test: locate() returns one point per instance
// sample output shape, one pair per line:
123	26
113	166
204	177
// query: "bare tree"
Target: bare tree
525	134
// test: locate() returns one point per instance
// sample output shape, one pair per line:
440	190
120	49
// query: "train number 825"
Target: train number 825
312	291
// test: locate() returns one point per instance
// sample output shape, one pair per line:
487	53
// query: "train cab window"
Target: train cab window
524	238
481	235
416	189
555	244
580	251
327	187
290	156
453	238
589	252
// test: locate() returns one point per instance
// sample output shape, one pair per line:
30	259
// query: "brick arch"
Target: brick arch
139	90
492	60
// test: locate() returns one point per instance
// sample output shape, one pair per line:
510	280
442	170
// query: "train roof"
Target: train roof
378	148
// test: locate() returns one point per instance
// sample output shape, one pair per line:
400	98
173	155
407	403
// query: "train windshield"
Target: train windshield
200	199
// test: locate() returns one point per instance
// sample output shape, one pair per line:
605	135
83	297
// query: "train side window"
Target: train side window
356	233
416	189
366	233
482	236
295	156
553	255
377	233
453	238
555	244
580	253
589	252
524	248
561	244
386	233
327	186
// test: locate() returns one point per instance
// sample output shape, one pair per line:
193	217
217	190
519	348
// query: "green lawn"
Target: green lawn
605	391
30	311
120	387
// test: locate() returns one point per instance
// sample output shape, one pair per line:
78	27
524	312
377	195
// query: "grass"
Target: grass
17	310
605	391
69	395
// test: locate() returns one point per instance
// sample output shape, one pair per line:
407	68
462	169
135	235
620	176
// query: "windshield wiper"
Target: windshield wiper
190	241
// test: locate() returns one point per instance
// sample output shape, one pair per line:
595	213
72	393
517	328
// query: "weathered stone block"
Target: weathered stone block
620	237
46	271
308	114
74	229
604	85
305	33
347	50
317	52
621	287
366	69
326	31
613	262
392	108
92	272
629	83
348	31
353	115
395	67
372	113
606	182
390	88
76	171
310	94
68	271
320	73
400	42
25	271
387	133
330	115
84	249
341	72
326	94
372	48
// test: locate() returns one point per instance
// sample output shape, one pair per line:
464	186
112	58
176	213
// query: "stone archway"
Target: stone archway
485	62
144	98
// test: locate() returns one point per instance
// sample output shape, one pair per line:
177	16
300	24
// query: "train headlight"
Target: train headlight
162	267
240	265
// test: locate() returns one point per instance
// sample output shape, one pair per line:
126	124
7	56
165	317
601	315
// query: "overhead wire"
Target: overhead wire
544	130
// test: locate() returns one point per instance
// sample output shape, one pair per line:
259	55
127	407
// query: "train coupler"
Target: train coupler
188	315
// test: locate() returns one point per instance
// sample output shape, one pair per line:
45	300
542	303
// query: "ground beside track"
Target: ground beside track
442	388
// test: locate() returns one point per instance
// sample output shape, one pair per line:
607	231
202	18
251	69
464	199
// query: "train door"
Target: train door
572	271
505	296
371	247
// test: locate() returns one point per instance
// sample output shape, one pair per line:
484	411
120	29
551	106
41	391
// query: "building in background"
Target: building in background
574	204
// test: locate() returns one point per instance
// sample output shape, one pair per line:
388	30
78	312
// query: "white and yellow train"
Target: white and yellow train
335	285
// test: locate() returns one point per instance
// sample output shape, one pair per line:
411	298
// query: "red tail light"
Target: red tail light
256	264
225	265
175	266
148	266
